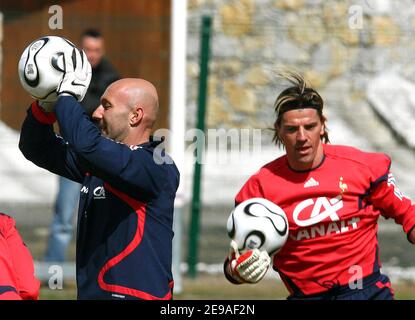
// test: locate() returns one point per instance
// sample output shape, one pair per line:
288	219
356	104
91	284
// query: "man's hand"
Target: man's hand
77	76
249	267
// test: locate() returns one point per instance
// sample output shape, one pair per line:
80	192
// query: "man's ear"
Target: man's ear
323	126
136	116
323	130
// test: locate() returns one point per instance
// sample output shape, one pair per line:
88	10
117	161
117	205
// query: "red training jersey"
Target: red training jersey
17	273
332	212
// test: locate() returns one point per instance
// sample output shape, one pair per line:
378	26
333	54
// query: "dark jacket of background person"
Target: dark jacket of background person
102	76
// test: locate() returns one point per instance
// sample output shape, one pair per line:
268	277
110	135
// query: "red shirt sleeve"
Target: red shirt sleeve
18	261
251	189
386	196
393	204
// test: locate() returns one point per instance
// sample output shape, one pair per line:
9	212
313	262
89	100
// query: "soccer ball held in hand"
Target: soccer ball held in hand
42	67
258	223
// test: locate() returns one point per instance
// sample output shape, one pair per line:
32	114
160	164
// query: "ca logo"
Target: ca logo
317	215
99	193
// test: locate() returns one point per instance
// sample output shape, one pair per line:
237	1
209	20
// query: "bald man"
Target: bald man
124	238
133	121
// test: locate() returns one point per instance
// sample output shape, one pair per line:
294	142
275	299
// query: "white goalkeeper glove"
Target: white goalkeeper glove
249	267
77	75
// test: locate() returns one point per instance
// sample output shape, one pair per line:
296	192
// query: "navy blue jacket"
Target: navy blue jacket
124	235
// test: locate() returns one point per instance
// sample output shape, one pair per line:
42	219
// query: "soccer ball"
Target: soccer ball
41	66
258	223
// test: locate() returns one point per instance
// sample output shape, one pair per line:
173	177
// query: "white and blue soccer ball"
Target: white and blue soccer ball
41	66
258	223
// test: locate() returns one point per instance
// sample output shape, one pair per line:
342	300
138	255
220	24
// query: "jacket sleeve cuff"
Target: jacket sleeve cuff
42	116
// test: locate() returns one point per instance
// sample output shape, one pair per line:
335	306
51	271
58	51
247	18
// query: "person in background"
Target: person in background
103	74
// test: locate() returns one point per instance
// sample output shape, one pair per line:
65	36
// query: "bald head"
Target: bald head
139	93
128	111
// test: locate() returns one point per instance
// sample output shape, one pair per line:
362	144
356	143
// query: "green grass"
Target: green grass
68	292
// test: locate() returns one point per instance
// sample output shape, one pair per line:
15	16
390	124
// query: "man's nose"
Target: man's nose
301	134
97	114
